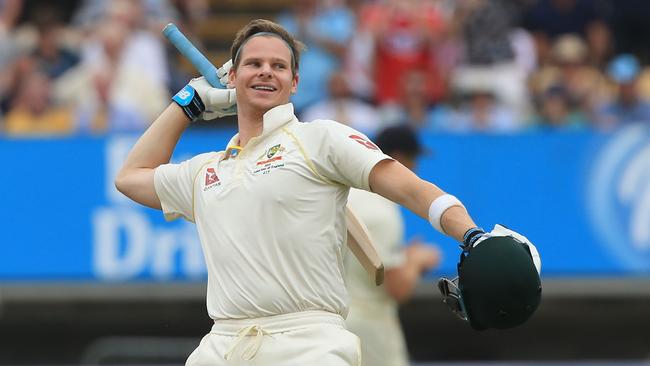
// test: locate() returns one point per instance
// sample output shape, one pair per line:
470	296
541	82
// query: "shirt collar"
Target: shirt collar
273	119
277	117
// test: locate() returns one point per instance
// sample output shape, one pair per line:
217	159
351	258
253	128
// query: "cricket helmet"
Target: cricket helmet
498	284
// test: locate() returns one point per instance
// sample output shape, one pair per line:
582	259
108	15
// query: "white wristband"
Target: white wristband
438	208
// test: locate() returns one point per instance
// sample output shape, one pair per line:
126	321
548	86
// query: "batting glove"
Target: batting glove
223	71
200	100
500	230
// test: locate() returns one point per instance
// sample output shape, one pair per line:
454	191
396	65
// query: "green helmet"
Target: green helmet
498	285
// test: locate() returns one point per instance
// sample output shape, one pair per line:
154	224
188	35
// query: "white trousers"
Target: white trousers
315	338
377	324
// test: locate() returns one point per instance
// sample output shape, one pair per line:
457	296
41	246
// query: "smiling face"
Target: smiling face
263	76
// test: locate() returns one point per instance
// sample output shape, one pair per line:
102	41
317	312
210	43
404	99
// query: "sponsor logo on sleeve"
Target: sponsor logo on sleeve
364	142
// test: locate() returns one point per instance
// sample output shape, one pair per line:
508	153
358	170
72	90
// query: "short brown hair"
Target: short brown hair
263	25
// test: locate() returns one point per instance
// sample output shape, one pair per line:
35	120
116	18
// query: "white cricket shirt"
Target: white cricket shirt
271	220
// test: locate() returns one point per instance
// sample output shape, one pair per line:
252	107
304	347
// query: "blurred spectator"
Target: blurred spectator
33	111
10	49
120	84
601	44
357	60
586	85
553	18
643	83
341	106
142	49
550	19
627	107
152	15
326	28
557	112
403	35
12	76
52	56
39	47
631	28
523	47
488	30
485	27
9	13
190	13
414	107
481	111
148	19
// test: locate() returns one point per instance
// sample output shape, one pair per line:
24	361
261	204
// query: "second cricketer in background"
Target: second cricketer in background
373	312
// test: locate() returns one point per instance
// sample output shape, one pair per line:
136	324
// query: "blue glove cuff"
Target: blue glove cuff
188	99
470	237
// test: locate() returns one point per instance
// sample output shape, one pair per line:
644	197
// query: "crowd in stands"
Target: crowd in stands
452	66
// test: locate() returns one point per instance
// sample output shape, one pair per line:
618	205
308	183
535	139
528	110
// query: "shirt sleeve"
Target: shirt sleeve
174	185
344	154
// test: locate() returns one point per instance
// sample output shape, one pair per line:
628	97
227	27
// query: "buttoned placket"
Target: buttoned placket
241	159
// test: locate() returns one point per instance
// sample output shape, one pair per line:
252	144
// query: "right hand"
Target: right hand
218	102
425	256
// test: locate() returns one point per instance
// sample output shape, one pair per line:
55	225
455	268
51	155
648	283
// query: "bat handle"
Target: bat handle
187	49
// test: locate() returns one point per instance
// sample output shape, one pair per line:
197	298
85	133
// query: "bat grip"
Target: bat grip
196	58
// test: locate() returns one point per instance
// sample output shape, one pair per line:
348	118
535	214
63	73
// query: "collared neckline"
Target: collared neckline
273	119
276	117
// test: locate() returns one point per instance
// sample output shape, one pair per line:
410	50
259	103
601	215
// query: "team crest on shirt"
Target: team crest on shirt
273	150
364	142
271	159
211	179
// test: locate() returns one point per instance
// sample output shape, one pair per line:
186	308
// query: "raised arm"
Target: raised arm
397	183
154	148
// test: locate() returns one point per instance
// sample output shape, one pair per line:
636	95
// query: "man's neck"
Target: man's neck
250	124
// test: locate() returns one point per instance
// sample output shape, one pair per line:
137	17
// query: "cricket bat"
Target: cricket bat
358	238
361	245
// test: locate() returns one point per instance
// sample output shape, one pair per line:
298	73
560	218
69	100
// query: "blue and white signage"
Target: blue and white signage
583	199
619	197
